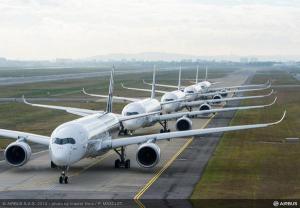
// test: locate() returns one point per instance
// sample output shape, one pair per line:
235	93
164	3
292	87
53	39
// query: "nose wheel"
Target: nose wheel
63	178
165	128
122	162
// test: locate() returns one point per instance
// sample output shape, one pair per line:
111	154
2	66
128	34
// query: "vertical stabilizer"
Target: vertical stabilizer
197	74
179	79
153	83
205	73
110	92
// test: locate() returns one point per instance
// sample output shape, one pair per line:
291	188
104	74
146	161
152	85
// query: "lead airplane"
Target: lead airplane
95	134
149	105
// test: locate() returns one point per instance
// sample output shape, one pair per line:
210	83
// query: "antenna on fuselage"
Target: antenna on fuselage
153	83
197	74
110	92
179	78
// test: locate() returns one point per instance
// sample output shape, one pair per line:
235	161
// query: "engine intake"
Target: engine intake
184	124
17	153
204	106
217	97
148	155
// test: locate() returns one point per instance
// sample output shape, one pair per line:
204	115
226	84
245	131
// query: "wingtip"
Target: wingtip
283	116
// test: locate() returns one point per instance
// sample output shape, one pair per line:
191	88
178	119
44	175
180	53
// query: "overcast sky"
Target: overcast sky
47	29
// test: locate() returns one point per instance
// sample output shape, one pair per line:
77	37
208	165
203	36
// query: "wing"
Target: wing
115	143
162	85
115	97
35	138
75	111
205	112
233	91
144	90
200	102
242	86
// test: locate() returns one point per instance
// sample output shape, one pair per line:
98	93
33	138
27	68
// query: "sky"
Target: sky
49	29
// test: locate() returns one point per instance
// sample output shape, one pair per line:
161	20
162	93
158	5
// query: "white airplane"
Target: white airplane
95	134
203	88
178	99
150	105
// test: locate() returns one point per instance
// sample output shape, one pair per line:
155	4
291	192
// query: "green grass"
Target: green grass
258	163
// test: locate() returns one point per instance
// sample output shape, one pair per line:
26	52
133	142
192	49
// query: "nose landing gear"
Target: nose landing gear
164	124
63	177
119	163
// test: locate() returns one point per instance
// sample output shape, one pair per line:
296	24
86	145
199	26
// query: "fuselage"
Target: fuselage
148	105
172	96
74	140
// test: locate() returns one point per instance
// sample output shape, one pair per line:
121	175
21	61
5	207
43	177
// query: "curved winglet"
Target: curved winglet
25	101
277	122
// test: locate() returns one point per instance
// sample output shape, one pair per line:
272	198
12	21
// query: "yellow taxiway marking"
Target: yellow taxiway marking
167	164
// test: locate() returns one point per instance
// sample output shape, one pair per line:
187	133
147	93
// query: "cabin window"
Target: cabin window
64	141
131	113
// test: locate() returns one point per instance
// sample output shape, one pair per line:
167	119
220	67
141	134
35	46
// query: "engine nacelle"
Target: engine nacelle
204	106
217	97
148	155
17	153
224	93
183	124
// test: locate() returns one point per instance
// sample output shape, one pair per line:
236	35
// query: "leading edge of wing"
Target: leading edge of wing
182	134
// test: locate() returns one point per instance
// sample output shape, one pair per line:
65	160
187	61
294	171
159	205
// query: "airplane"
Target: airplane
170	104
94	134
203	88
148	105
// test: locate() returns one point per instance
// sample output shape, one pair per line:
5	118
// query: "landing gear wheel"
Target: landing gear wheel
61	180
117	163
168	130
66	180
161	131
127	164
121	163
125	132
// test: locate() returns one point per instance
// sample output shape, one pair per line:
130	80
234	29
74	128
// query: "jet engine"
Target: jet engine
183	124
217	97
148	155
204	106
17	153
224	93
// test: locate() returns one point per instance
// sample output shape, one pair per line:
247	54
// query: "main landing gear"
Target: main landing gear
63	177
123	131
120	163
164	124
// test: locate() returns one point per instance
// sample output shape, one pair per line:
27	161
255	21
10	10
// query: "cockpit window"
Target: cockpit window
190	91
131	113
64	141
169	100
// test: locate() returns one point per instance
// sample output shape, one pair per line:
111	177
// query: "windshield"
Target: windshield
131	113
169	100
64	141
190	91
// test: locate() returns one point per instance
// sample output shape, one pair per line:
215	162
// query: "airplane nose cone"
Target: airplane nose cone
60	155
168	108
131	124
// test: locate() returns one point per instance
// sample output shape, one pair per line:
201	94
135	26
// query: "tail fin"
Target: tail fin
153	83
197	74
205	73
179	79
110	92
